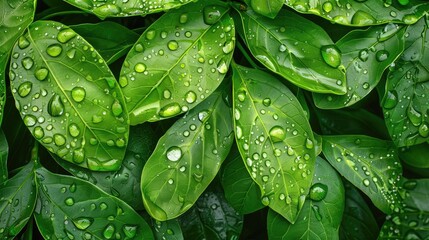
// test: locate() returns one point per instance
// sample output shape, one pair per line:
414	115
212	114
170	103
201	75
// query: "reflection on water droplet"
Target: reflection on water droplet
59	139
41	74
366	182
390	99
190	97
327	7
331	55
74	130
69	201
211	14
109	231
362	18
174	153
38	132
265	200
318	191
170	110
382	55
140	67
78	94
228	47
55	106
129	230
27	63
277	134
183	18
363	55
107	10
173	45
78	156
117	108
65	35
82	223
24	89
23	42
54	50
29	120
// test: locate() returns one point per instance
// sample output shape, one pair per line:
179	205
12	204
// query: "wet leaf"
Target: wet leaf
365	54
321	214
296	49
15	16
274	138
18	197
167	230
68	207
68	98
268	8
4	151
370	164
363	12
178	61
187	158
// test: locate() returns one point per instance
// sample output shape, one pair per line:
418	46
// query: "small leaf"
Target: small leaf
18	197
370	164
4	151
187	158
167	230
68	207
365	54
274	138
296	49
321	214
268	8
68	98
178	61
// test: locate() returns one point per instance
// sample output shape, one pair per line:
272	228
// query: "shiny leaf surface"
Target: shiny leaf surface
4	151
268	8
167	230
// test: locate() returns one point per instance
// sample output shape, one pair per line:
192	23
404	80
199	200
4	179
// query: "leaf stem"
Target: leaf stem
248	58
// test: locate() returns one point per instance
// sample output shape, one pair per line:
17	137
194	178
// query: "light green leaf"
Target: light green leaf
15	16
363	12
274	138
268	8
178	61
68	98
187	158
18	197
167	230
296	49
4	151
321	215
70	208
370	164
365	54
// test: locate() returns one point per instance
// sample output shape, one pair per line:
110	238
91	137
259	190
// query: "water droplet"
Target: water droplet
69	201
316	212
140	67
174	153
265	200
228	47
424	130
106	10
38	132
65	35
266	102
150	34
388	31
74	130
331	55
170	181
78	94
382	55
365	85
59	139
27	63
83	222
318	192
139	47
414	116
327	7
129	230
362	18
277	134
97	118
78	156
190	97
23	42
170	110
309	143
24	89
117	108
241	95
366	182
163	34
41	74
103	206
239	132
54	50
173	45
183	18
55	106
410	19
390	99
71	53
211	14
363	55
109	231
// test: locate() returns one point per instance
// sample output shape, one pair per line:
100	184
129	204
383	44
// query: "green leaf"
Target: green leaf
126	8
321	214
68	98
274	138
125	182
363	12
294	48
268	8
405	104
358	221
110	39
241	192
416	155
4	151
187	158
18	197
70	208
167	230
365	54
178	61
15	16
370	164
212	218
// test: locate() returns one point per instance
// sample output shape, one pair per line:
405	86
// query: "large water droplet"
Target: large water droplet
228	47
27	63
183	18
203	115
174	153
362	18
414	116
316	212
41	74
29	120
38	132
388	31
24	89
109	231
59	139
78	94
117	108
107	10
265	200
65	35
318	191
74	130
424	130
331	55
382	55
222	67
190	97
390	99
69	201
327	7
363	55
83	222
23	42
140	67
54	50
129	230
169	110
277	134
150	34
173	45
78	156
211	14
55	106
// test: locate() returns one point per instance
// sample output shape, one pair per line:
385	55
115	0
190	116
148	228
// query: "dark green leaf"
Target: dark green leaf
321	214
110	39
274	138
15	16
167	230
187	158
17	200
363	12
268	8
371	164
4	150
178	61
295	48
68	98
70	208
416	156
365	54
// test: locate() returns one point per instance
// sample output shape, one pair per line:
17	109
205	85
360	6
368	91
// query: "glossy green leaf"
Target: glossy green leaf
167	230
110	39
363	12
187	158
4	151
178	61
70	208
358	221
365	54
126	8
125	182
416	156
15	16
241	192
295	48
370	164
274	138
68	98
17	200
268	8
212	218
321	215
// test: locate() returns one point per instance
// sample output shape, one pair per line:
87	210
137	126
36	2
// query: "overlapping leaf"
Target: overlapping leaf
68	98
187	158
274	138
370	164
268	8
4	150
295	48
365	55
416	156
178	61
70	208
167	230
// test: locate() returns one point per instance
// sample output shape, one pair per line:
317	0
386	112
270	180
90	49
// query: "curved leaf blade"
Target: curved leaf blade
268	8
291	46
4	151
68	98
318	219
187	158
178	61
167	230
274	138
68	207
370	164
